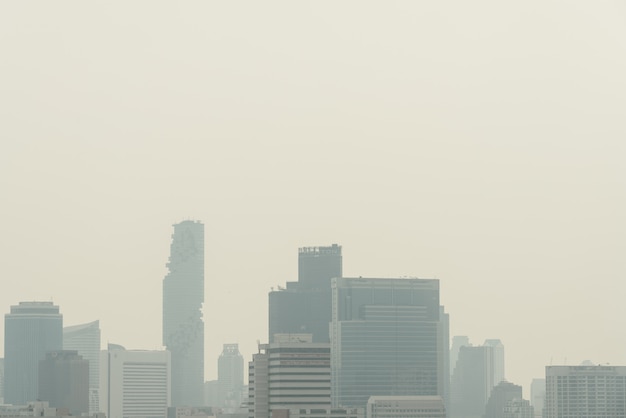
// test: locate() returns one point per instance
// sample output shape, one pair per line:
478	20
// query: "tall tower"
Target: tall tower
230	377
305	306
385	339
183	327
30	330
85	339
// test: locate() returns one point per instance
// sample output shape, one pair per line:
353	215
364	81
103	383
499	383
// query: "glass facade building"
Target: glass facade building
385	339
30	331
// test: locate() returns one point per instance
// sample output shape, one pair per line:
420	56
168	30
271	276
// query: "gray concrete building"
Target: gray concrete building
183	326
304	306
230	378
64	381
31	329
85	339
472	382
501	395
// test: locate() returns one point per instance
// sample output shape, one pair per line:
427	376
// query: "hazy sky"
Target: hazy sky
481	143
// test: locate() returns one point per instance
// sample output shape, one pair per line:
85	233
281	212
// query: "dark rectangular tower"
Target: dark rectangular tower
304	306
183	327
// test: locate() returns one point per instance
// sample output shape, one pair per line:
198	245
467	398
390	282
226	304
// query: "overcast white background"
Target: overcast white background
481	143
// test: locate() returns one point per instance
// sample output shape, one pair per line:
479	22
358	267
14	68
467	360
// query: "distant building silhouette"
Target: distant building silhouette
134	383
405	406
30	330
385	339
230	378
518	408
183	327
1	381
501	394
292	372
498	359
458	341
585	391
538	396
85	338
64	381
210	393
304	306
472	382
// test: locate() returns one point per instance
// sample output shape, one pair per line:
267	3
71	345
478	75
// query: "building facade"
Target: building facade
472	382
135	383
85	339
292	372
501	395
305	306
385	339
405	407
585	391
30	330
183	326
64	381
230	378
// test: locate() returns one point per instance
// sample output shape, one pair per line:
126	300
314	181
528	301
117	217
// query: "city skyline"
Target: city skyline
480	144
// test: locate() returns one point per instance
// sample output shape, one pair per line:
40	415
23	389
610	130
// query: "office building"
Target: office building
230	378
134	383
385	339
38	409
183	327
405	407
304	306
85	339
501	394
1	381
31	329
472	382
292	372
585	391
458	341
64	381
444	335
498	359
210	393
319	413
538	395
518	408
318	265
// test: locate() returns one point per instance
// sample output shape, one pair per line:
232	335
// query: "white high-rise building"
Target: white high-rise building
85	338
585	391
135	383
290	373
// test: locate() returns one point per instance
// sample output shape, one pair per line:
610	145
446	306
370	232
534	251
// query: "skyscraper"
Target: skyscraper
385	339
30	330
472	382
134	383
498	359
230	378
304	306
85	338
183	327
64	381
585	391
